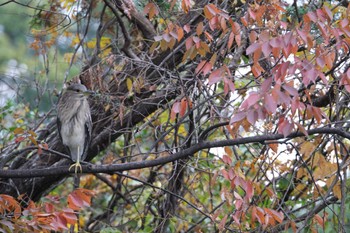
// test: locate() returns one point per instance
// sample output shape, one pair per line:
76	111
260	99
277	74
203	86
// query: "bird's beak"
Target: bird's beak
88	92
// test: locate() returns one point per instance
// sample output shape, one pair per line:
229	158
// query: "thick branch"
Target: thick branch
55	171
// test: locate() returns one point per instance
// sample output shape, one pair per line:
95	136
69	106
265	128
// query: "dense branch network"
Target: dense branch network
109	169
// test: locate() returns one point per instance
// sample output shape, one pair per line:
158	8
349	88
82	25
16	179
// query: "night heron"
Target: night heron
74	122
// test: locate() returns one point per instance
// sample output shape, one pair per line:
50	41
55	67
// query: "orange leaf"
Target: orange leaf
80	198
199	29
274	147
210	10
10	204
180	33
186	4
151	9
183	107
278	216
319	220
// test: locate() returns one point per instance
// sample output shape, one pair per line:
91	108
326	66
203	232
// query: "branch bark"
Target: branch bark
63	170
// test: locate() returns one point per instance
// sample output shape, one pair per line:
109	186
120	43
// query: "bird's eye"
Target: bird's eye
78	90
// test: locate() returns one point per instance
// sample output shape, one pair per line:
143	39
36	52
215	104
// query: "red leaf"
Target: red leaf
236	28
266	49
252	116
291	90
203	67
238	39
266	85
189	43
59	223
238	117
302	129
230	84
249	190
236	217
303	35
200	66
174	110
225	174
276	43
227	159
252	48
270	104
222	223
215	76
19	139
328	12
312	16
253	99
285	127
317	113
187	28
230	40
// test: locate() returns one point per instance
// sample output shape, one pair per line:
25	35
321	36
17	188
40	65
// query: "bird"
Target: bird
74	123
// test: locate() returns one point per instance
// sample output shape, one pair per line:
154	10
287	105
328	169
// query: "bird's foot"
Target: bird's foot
76	165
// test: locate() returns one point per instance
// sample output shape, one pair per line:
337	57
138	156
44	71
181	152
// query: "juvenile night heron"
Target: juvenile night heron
74	122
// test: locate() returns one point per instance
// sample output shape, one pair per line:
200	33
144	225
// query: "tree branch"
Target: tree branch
63	170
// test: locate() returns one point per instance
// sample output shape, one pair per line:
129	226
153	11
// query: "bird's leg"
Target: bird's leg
77	163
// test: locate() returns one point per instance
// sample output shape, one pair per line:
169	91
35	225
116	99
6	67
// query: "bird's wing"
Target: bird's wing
59	126
88	131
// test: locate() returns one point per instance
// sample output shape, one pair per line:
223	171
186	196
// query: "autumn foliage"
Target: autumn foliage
208	116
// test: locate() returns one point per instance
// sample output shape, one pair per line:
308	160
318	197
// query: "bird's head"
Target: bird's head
78	90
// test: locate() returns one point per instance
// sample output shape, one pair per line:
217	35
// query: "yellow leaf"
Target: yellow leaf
33	140
75	41
19	121
18	131
307	148
106	52
337	190
129	84
91	44
302	173
182	131
31	132
323	167
68	57
301	188
104	42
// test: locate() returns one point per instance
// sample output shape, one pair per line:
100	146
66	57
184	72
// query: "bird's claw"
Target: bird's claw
76	165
